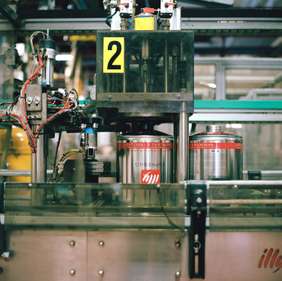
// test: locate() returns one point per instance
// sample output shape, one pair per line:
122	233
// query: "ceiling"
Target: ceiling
212	44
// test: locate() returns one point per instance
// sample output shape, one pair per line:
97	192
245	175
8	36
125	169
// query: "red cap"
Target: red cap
149	10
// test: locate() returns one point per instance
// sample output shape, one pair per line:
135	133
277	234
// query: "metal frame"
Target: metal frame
235	116
9	13
201	25
223	64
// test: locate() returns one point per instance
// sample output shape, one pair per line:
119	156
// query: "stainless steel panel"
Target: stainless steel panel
235	256
137	255
133	255
46	256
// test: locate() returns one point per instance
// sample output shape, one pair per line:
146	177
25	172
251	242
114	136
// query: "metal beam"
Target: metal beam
234	63
7	12
234	25
65	24
199	25
93	24
5	25
235	116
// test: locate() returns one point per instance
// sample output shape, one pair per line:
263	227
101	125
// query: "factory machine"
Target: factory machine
178	209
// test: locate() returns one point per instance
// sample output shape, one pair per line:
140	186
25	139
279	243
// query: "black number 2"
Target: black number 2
111	64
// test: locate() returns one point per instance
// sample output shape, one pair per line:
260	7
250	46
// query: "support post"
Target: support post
182	157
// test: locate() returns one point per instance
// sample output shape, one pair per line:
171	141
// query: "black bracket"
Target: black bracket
254	175
2	227
197	209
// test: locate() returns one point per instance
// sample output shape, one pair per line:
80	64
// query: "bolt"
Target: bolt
177	274
101	243
72	243
199	200
177	244
6	255
29	100
101	272
36	100
72	272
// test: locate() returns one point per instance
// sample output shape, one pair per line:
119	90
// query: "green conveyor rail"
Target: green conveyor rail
239	104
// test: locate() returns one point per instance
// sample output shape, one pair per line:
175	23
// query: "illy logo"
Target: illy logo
271	259
150	177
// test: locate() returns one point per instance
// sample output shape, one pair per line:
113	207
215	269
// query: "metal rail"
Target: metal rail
235	116
245	201
238	183
16	173
91	25
11	173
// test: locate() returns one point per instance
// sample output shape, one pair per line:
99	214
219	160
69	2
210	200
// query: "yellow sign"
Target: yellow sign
144	23
113	55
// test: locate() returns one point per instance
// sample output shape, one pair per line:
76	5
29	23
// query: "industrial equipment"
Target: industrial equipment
178	208
216	155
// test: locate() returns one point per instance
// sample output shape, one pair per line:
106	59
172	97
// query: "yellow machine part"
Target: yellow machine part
144	23
19	155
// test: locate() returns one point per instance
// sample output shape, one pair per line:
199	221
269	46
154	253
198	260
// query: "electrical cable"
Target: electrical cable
50	119
56	153
182	229
33	35
60	165
108	18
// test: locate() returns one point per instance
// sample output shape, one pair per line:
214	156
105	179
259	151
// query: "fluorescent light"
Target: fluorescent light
234	126
211	85
64	57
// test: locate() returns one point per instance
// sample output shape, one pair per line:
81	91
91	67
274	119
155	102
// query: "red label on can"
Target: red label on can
216	145
145	145
150	177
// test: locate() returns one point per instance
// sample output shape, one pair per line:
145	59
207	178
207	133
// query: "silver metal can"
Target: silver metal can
215	155
145	159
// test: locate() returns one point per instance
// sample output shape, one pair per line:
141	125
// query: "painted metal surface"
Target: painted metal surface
239	104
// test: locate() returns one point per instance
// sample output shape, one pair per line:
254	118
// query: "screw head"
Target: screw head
101	243
36	100
72	272
72	243
177	274
177	244
101	272
199	200
29	100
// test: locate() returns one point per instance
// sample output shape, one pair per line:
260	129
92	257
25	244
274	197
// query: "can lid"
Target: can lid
148	133
147	137
217	131
214	129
